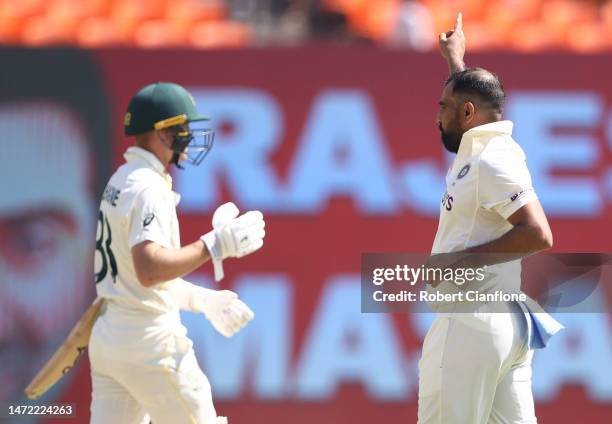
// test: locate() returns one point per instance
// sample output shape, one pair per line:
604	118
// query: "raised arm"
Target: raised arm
452	46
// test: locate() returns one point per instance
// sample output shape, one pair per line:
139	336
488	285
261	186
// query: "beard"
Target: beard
450	139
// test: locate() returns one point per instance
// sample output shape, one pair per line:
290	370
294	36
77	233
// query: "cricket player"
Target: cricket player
476	365
143	366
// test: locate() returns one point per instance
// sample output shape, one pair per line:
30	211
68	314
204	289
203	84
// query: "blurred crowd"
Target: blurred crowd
519	25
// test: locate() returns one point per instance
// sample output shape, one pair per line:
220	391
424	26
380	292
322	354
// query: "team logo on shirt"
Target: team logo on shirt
148	219
463	171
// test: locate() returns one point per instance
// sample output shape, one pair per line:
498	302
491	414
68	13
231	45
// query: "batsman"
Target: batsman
143	365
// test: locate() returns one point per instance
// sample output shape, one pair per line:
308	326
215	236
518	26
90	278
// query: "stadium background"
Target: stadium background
331	132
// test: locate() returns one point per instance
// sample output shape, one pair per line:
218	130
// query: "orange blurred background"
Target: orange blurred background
517	25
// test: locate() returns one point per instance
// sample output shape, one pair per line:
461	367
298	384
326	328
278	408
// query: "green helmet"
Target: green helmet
158	106
165	105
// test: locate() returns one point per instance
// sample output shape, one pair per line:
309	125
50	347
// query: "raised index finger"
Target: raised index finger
459	22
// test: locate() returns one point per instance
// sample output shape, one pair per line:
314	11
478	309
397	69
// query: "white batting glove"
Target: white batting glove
233	236
223	309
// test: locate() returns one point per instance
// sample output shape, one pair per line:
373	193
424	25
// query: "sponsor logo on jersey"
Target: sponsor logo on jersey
148	219
516	195
463	171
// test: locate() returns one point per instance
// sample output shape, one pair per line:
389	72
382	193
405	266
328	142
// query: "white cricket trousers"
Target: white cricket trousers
476	369
141	374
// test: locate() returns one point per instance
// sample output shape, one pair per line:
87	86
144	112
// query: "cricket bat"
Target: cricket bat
67	354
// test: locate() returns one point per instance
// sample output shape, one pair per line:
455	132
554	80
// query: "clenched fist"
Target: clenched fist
224	310
233	236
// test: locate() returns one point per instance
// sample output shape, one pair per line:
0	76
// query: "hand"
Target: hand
224	310
242	235
452	45
233	236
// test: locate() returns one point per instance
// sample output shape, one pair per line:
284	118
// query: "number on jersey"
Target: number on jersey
103	247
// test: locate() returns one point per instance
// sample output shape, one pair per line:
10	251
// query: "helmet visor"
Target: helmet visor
193	146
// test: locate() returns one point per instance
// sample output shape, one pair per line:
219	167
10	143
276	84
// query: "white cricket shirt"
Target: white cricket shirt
138	204
487	182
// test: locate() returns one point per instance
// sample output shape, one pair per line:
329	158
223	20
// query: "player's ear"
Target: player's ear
469	111
164	135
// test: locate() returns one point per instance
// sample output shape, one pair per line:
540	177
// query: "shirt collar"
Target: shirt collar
503	127
481	132
138	153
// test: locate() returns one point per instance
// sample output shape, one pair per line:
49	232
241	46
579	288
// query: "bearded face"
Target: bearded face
451	136
449	122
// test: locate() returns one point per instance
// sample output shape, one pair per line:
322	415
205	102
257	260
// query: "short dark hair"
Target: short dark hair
484	85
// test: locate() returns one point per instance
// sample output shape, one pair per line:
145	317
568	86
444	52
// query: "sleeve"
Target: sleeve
504	183
189	297
149	219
